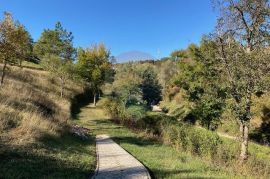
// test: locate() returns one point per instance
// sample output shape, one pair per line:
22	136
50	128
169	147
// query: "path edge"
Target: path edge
97	160
147	169
97	163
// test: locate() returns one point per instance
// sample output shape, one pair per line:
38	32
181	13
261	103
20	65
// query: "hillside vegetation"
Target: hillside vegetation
208	102
176	126
35	137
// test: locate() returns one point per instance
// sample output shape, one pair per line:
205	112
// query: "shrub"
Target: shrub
135	112
188	138
114	108
153	122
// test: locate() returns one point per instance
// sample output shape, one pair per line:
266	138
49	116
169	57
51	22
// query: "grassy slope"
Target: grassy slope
163	161
65	157
34	137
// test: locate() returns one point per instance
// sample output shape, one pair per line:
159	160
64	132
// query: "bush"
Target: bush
135	112
153	122
114	108
188	138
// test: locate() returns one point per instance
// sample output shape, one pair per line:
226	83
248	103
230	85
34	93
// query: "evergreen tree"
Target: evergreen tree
151	89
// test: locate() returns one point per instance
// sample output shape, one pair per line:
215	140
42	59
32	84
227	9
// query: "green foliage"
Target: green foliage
94	66
59	68
115	108
179	54
57	41
167	70
55	48
188	138
126	84
153	122
151	89
135	112
198	78
15	43
242	39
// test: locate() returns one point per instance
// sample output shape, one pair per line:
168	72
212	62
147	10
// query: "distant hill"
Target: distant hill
134	56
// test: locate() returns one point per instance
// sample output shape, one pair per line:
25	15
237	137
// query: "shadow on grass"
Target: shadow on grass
176	173
80	101
54	158
139	141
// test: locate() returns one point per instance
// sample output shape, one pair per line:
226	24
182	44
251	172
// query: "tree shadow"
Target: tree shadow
139	141
262	133
45	160
176	174
107	125
80	101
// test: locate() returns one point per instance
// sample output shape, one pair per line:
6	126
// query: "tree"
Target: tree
56	50
94	65
168	70
126	85
61	69
151	89
198	77
57	41
179	54
15	43
242	38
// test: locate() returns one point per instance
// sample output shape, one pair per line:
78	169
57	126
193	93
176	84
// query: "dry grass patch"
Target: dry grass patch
30	106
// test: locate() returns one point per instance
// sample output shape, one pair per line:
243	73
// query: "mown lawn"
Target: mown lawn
162	160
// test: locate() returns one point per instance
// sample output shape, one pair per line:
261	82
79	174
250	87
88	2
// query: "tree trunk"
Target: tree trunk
244	129
94	99
3	73
62	88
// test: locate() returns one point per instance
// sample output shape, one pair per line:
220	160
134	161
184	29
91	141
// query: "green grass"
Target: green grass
63	157
162	160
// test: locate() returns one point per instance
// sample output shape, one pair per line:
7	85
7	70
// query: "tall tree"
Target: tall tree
15	43
242	37
198	77
151	89
94	65
57	41
56	51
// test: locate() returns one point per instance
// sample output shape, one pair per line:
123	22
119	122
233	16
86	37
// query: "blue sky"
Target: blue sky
123	25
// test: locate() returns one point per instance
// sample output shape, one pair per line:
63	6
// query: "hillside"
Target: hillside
35	138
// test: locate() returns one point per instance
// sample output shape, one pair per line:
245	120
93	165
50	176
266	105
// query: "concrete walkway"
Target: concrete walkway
115	163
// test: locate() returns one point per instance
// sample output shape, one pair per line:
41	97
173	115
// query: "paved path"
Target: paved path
115	163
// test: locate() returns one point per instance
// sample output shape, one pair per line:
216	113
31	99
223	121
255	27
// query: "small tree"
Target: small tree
126	85
61	69
151	89
94	64
15	43
242	37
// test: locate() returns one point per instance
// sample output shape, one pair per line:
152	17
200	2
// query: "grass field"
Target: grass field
162	160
